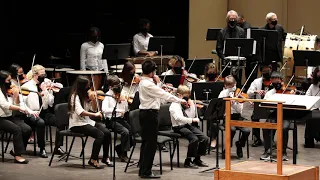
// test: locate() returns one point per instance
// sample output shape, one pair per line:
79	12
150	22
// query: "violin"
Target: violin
26	92
136	80
12	89
219	79
240	94
100	95
198	103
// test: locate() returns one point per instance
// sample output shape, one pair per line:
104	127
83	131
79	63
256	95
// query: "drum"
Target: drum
236	61
98	77
118	68
59	75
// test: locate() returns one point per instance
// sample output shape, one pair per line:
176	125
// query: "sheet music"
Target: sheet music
295	101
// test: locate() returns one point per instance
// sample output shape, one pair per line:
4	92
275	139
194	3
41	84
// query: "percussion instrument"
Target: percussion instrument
118	68
156	59
236	61
58	73
98	77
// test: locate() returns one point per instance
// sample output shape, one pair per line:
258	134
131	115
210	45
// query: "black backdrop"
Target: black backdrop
59	27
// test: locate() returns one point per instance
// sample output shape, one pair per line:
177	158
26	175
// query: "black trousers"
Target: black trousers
124	129
198	142
101	135
267	135
21	133
149	135
50	119
312	127
39	124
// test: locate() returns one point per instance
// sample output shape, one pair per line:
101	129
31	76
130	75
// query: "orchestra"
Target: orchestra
97	106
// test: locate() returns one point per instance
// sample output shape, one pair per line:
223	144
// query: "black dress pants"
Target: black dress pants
267	136
39	124
101	135
149	134
124	129
245	132
50	119
312	127
198	142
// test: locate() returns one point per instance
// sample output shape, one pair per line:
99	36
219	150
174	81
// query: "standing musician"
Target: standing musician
236	111
91	52
16	70
121	125
150	95
277	85
9	101
141	39
231	31
182	117
273	52
80	122
40	98
312	124
130	79
243	23
257	90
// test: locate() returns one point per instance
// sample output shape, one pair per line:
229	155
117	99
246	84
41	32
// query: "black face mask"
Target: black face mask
41	79
211	76
277	86
144	30
186	99
177	70
7	85
20	77
274	22
116	89
266	76
232	23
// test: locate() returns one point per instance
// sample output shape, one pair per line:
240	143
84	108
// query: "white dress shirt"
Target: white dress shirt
150	95
133	90
141	42
255	86
236	107
270	93
91	57
109	103
32	100
314	90
5	105
177	117
75	118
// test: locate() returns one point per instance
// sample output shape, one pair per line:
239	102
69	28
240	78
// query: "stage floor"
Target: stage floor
38	168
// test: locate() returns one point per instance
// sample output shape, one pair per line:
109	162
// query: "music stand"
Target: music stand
116	52
212	34
207	90
162	44
306	58
172	79
197	63
266	37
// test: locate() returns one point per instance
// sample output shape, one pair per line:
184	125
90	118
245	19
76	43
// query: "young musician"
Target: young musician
40	98
121	125
141	39
91	52
150	95
182	117
9	103
210	73
277	85
257	90
312	131
128	74
236	111
16	72
80	122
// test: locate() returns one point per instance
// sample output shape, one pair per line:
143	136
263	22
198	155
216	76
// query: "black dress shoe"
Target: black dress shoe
257	143
109	164
151	176
43	153
189	164
164	148
239	150
21	162
95	166
59	151
200	163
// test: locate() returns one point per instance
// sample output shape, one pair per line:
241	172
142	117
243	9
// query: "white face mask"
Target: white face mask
233	89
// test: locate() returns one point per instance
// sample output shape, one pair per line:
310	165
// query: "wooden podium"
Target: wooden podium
257	170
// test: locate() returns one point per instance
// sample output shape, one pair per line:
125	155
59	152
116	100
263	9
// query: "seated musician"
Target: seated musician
277	84
141	39
236	111
40	98
16	72
210	73
257	90
130	79
182	117
9	102
91	52
121	125
312	124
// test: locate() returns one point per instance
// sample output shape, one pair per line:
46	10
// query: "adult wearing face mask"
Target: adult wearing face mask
274	51
141	39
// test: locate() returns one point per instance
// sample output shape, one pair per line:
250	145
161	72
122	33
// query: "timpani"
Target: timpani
58	74
98	77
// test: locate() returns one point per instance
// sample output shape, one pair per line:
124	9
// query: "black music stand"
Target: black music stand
306	58
267	38
212	34
207	90
197	63
116	52
172	79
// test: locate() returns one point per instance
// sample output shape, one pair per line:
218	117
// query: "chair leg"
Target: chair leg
35	143
248	154
160	158
83	146
8	142
85	142
178	152
50	136
51	158
71	148
134	146
2	147
170	156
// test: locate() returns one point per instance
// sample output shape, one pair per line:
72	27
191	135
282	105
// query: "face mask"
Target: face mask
116	89
232	23
233	89
131	76
274	22
21	77
7	85
277	86
41	79
144	30
266	76
212	76
177	70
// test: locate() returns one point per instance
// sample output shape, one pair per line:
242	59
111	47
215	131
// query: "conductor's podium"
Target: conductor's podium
253	170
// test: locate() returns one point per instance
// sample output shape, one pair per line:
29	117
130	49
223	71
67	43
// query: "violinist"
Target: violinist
182	117
41	99
80	121
16	70
276	80
312	124
210	73
257	90
121	125
236	111
130	79
21	131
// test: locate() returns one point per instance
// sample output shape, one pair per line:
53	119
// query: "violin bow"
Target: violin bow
34	57
194	59
288	84
96	98
225	67
195	102
247	79
128	93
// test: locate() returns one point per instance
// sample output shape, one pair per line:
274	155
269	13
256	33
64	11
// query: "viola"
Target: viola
240	94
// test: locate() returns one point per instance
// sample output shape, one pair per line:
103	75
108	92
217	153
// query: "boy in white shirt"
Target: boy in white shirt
236	111
182	117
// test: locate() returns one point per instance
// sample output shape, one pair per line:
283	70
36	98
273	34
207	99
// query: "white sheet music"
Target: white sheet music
295	100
